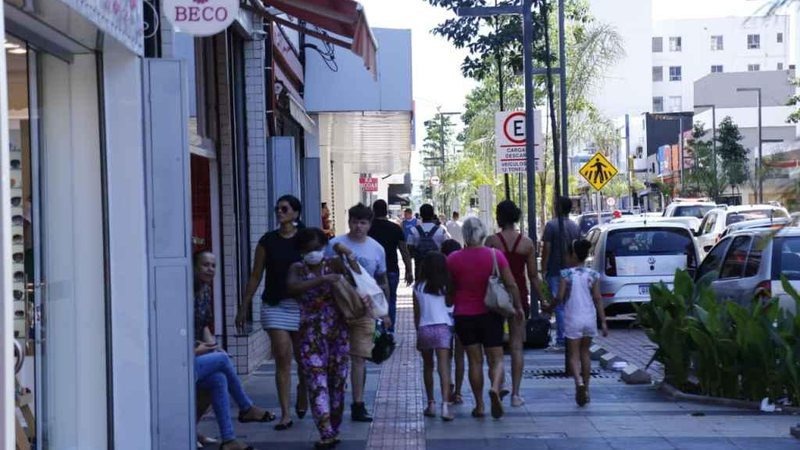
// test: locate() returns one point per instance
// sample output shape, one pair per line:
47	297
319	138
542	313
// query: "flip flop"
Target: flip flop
225	445
478	414
497	406
458	399
504	393
267	417
284	426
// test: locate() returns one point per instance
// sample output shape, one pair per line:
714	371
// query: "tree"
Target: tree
794	117
732	155
707	175
439	136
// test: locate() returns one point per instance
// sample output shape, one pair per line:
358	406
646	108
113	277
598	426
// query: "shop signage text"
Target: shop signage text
510	138
201	17
368	184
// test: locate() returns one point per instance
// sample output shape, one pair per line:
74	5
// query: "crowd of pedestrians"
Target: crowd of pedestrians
308	274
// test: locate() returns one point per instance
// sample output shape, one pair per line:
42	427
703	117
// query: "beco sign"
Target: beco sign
201	17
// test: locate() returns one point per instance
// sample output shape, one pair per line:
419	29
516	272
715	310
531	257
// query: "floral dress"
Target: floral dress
580	314
324	354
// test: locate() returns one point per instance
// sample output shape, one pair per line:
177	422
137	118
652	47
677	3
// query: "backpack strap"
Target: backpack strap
433	231
420	230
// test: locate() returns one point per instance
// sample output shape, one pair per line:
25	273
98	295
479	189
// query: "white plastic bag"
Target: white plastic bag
367	287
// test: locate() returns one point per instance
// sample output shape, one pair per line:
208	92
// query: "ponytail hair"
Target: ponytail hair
580	248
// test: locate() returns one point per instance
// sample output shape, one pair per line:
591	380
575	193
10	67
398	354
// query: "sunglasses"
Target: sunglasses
282	209
15	164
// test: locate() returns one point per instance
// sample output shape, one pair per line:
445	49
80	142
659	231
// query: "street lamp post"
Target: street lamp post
713	136
760	165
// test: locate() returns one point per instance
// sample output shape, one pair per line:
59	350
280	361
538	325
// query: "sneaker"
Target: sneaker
555	349
358	413
581	394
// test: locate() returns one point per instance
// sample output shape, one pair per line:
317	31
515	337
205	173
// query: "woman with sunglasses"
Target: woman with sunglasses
280	313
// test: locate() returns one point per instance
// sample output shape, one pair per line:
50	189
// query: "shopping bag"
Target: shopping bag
384	344
367	287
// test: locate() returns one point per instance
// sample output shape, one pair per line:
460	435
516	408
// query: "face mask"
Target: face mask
313	258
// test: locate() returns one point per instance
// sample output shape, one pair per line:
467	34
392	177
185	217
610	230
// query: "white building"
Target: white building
683	51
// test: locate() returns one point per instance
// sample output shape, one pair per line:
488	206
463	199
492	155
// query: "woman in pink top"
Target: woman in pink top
478	329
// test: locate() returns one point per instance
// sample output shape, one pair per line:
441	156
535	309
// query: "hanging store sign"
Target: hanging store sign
368	184
201	17
122	20
510	138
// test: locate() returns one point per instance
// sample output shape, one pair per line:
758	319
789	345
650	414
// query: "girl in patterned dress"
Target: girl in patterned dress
324	349
579	291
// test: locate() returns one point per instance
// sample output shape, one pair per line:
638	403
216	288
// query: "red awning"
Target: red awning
345	18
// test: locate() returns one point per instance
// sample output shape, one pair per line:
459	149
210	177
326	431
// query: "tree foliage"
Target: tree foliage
731	153
794	117
707	176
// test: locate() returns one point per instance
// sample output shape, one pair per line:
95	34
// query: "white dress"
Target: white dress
580	314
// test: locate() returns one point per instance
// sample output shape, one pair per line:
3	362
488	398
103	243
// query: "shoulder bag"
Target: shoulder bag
497	299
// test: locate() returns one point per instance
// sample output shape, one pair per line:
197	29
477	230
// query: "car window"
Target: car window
754	257
691	211
754	214
786	258
713	260
733	265
628	251
710	221
593	238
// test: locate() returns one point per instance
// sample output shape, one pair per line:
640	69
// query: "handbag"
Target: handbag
367	287
384	345
497	298
347	300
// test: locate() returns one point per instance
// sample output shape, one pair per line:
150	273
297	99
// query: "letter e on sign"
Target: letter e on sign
201	17
514	128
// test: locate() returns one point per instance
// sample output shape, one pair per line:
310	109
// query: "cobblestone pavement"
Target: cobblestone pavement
632	345
618	417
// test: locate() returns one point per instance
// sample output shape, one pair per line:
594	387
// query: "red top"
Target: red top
470	270
517	263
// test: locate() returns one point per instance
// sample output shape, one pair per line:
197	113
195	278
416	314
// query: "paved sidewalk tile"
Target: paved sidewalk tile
634	346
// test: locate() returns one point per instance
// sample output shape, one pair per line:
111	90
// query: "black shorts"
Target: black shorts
485	329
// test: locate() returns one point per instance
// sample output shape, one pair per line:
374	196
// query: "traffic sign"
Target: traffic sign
611	201
598	171
368	184
510	138
435	181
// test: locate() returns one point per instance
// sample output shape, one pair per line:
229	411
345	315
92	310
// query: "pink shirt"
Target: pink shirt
470	270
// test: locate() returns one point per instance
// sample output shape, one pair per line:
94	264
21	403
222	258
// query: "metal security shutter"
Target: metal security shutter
283	171
167	167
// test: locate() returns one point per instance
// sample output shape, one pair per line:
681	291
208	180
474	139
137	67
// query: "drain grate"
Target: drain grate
550	374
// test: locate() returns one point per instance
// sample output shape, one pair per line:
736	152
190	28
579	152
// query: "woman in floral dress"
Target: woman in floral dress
324	349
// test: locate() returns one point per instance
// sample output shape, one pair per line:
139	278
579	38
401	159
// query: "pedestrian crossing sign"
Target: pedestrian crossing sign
598	171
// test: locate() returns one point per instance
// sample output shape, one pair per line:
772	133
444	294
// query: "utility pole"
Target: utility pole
562	59
760	164
501	87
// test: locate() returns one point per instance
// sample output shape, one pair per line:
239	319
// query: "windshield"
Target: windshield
786	258
692	211
648	251
753	215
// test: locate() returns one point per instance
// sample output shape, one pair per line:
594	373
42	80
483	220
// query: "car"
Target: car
632	256
689	208
716	220
588	220
748	264
771	224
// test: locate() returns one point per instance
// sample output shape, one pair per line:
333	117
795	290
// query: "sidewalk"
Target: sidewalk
619	416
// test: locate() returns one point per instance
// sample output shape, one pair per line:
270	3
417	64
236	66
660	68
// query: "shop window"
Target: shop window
206	90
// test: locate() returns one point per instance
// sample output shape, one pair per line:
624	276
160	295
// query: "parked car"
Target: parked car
587	221
716	220
631	256
689	208
771	224
749	264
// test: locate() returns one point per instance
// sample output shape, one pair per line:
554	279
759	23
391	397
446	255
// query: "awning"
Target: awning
345	18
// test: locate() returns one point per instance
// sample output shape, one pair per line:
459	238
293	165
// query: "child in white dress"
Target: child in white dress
579	291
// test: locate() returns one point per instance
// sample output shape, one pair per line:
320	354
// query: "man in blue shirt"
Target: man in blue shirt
409	222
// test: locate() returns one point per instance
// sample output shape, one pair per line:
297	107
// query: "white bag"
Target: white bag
367	287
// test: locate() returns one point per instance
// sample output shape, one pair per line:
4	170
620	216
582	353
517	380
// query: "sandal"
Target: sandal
517	401
284	426
239	446
297	410
326	443
457	399
478	414
580	394
430	411
267	417
497	406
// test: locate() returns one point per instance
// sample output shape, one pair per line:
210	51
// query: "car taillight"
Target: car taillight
611	266
608	295
764	290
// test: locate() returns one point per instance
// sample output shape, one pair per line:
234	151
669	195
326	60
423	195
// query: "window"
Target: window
753	67
716	43
658	45
753	41
658	106
716	68
675	73
709	222
675	44
780	66
713	260
675	103
754	257
780	38
786	258
753	214
628	249
733	266
658	73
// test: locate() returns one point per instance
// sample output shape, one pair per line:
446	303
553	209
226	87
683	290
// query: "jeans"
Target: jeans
553	283
215	373
394	281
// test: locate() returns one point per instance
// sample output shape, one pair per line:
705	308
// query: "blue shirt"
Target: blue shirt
408	225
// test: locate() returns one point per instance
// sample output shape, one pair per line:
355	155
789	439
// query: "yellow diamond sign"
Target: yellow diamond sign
598	171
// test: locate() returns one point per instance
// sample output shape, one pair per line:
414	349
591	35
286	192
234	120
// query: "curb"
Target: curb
631	374
677	394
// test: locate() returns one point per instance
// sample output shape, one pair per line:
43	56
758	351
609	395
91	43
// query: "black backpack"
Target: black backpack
426	244
537	332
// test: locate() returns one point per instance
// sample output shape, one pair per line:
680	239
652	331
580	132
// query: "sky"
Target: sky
436	63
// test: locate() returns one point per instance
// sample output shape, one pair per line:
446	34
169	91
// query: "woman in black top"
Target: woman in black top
280	314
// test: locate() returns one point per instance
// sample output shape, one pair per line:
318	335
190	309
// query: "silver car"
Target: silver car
749	264
632	256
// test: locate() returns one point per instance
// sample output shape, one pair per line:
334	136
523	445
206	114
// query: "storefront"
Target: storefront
63	144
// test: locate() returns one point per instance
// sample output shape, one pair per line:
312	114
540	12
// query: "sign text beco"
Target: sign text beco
201	17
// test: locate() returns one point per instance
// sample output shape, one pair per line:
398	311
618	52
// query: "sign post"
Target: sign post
510	140
598	171
368	184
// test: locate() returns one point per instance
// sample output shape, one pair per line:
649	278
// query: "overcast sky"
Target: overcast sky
436	73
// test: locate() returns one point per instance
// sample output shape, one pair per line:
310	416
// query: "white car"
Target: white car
689	208
716	220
